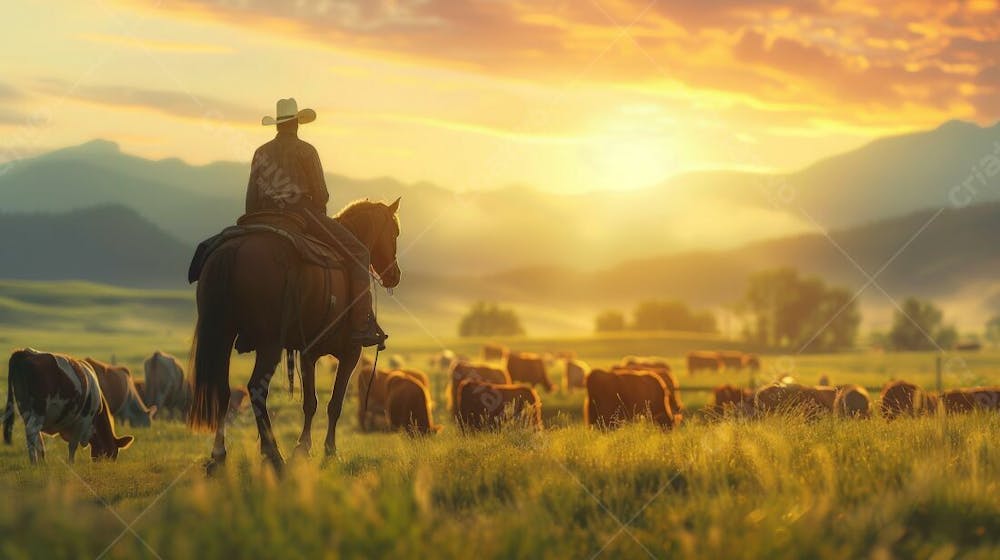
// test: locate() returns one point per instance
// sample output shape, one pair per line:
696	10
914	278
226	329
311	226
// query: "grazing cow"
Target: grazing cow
372	390
57	394
792	398
852	402
119	391
494	352
408	405
900	398
958	401
417	375
751	362
731	359
488	405
527	367
697	361
732	399
824	396
931	405
987	398
166	387
661	368
239	400
576	374
617	397
461	371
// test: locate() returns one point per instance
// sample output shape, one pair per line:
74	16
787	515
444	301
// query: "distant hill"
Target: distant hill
111	244
445	232
952	260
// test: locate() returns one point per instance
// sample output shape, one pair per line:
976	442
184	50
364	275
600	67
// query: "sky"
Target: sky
563	95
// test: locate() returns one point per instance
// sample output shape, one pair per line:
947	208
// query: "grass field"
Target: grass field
782	487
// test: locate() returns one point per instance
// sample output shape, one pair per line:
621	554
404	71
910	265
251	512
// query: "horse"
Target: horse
241	300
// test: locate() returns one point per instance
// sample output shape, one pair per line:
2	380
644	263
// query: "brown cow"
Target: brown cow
408	405
825	396
900	398
527	367
793	398
166	387
494	352
57	394
853	401
703	360
617	397
959	401
931	405
461	371
732	399
488	405
661	368
119	391
372	391
576	374
751	362
731	359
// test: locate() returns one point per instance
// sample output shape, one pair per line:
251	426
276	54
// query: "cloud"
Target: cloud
173	103
851	60
154	45
9	92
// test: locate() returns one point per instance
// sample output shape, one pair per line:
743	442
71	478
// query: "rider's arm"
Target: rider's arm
319	193
252	197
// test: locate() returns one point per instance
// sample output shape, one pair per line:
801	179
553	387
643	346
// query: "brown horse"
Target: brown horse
243	299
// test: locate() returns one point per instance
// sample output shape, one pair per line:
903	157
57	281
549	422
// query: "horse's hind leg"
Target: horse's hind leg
309	403
260	380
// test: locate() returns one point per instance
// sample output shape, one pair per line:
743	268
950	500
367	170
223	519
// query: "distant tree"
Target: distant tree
610	321
918	326
993	330
671	315
489	319
788	311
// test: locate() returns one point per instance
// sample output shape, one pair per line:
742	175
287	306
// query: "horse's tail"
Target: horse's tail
212	343
290	367
9	413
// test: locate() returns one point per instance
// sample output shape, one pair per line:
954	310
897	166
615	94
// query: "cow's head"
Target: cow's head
104	444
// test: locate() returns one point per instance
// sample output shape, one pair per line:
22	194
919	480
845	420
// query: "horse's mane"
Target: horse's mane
360	206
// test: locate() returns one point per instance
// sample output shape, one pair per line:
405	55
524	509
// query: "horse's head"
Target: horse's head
375	224
383	249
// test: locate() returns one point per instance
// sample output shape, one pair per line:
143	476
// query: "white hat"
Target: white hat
288	109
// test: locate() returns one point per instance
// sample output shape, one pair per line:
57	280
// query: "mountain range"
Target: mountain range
91	212
449	232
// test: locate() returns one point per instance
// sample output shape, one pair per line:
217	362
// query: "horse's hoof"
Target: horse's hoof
302	451
214	465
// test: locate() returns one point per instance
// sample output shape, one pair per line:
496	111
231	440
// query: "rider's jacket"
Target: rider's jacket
286	174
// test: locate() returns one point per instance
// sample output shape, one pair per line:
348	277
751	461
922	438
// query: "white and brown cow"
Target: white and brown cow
166	387
57	394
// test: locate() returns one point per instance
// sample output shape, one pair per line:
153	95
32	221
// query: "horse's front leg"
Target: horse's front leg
309	404
346	361
260	381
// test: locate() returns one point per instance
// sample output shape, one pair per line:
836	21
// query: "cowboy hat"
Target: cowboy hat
288	109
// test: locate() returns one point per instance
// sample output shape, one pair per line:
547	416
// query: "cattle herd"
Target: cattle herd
81	400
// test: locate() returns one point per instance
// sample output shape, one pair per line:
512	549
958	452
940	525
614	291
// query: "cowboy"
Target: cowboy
286	175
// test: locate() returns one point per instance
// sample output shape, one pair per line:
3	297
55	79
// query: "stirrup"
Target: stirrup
373	335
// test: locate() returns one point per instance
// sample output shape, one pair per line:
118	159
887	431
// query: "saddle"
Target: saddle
286	225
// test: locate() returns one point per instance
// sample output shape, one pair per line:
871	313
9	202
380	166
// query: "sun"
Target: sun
632	150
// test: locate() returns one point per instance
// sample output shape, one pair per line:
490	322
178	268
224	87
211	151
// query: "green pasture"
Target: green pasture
777	488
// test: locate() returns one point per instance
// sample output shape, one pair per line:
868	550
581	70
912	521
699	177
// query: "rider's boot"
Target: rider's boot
366	331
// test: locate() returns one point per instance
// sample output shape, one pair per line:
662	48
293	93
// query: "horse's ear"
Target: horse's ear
395	205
